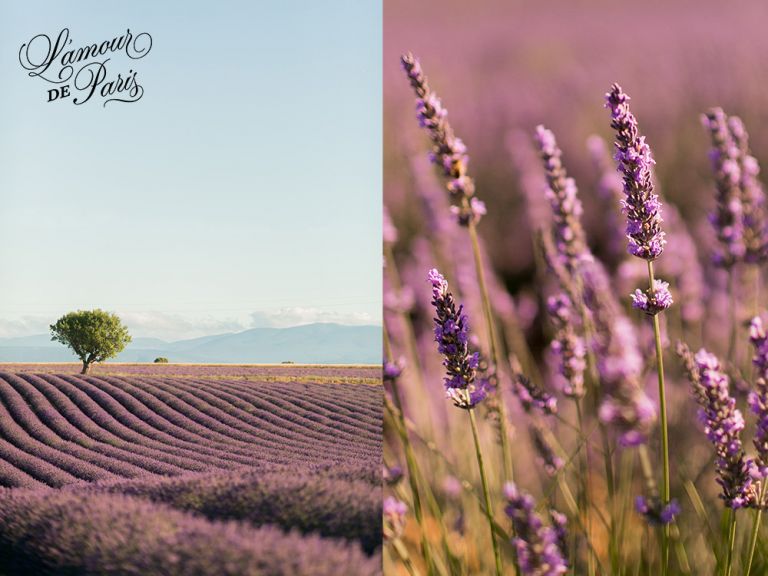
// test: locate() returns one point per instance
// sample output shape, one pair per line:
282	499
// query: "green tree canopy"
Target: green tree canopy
93	335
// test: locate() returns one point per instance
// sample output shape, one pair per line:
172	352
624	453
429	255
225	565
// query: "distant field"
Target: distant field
317	373
207	469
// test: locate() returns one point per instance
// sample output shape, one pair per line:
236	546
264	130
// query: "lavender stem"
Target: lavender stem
665	491
585	479
731	541
493	344
486	492
755	529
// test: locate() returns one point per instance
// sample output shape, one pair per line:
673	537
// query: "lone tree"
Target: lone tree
93	335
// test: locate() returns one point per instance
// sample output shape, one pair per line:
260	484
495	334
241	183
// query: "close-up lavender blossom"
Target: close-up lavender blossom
448	152
633	156
723	424
655	511
462	383
655	300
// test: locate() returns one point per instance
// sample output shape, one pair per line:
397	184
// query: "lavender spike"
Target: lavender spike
462	384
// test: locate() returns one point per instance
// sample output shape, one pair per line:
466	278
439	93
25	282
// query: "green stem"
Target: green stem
584	465
486	492
506	452
755	528
731	541
573	507
665	487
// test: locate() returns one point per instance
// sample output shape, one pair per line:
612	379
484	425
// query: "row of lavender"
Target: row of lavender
44	532
162	464
287	372
622	480
60	428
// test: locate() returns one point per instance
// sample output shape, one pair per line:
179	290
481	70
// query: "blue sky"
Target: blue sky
243	189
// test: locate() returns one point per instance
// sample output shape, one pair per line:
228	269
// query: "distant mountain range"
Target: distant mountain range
321	343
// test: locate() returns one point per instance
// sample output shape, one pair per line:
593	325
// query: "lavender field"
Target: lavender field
190	470
306	373
575	238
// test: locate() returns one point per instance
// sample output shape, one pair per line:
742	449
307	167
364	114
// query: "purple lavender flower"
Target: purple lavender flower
452	487
641	204
568	346
392	370
754	217
758	398
629	410
563	197
448	151
538	547
550	460
653	301
392	475
723	424
728	216
533	396
655	512
560	527
462	384
394	518
474	212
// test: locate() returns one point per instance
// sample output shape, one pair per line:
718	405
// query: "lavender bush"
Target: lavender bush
47	532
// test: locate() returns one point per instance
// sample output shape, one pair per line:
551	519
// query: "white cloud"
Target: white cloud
296	316
24	326
171	326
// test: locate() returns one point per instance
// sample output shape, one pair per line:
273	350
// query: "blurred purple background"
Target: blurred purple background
501	67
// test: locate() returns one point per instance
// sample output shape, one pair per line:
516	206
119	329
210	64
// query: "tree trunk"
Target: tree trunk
86	368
